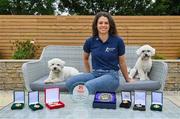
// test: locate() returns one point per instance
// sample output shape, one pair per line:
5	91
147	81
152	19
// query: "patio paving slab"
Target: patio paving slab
74	110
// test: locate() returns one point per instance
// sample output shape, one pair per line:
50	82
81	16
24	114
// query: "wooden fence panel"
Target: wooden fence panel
161	32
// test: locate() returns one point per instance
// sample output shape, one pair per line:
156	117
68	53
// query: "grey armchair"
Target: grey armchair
35	72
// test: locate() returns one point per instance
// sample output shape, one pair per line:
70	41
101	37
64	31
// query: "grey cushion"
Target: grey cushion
40	85
148	85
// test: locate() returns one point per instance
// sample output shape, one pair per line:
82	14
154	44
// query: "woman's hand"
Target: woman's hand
130	80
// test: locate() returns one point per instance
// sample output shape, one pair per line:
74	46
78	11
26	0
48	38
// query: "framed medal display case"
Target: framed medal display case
33	101
105	100
52	98
125	99
139	100
18	99
156	101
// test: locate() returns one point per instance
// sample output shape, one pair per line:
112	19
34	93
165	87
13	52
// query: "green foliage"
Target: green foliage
115	7
4	5
158	57
91	7
24	50
166	7
26	7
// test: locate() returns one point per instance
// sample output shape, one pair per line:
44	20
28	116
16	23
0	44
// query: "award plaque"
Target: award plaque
19	100
33	101
105	100
139	100
52	98
156	101
125	99
80	93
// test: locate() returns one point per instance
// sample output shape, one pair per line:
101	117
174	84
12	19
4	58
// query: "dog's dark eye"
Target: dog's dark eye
148	50
52	64
143	51
58	64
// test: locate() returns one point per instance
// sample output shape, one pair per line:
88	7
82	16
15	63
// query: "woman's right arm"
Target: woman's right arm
86	62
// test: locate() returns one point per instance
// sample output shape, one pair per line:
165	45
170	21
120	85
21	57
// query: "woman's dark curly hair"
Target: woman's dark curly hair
112	29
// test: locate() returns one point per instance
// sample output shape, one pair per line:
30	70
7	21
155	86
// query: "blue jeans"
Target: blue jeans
98	80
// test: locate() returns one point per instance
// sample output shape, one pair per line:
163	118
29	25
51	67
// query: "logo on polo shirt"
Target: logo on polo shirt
109	49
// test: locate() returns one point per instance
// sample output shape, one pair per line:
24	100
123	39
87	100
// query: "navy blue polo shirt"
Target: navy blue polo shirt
105	55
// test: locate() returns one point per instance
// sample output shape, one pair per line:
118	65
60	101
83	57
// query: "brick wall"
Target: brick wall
11	75
173	82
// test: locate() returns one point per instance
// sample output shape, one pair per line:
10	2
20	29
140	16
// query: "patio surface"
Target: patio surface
73	110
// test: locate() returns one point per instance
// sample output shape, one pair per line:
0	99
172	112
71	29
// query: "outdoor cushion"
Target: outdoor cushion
40	85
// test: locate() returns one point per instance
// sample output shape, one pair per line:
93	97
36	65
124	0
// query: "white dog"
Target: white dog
144	63
58	72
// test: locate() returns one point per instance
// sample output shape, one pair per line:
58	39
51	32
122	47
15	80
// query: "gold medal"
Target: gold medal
54	103
18	105
156	106
139	105
125	101
105	97
36	106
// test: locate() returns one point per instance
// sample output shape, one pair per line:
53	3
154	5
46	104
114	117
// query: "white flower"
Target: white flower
32	42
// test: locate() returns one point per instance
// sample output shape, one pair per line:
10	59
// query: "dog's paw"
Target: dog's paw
57	80
147	78
48	81
142	79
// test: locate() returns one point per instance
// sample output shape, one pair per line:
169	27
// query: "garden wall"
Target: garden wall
11	75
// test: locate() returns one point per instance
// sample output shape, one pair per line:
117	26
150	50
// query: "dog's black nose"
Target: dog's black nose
54	68
146	55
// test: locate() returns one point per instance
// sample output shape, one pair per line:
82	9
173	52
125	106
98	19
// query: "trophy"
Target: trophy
80	93
139	100
33	101
19	100
52	98
105	100
156	101
125	99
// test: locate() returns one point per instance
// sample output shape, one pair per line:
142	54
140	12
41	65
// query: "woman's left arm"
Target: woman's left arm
123	67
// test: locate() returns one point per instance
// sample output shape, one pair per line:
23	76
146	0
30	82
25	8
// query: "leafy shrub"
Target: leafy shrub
158	57
24	49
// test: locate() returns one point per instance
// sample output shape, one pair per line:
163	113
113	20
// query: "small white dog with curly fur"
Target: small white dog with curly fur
59	72
144	63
